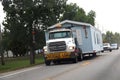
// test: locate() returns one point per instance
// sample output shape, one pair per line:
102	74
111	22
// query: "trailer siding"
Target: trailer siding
86	45
91	38
96	40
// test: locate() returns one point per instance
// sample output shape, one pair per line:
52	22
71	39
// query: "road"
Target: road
106	66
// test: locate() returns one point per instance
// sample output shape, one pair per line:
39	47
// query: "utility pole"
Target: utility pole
1	48
32	52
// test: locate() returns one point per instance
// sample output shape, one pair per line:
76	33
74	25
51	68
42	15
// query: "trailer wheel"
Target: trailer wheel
94	54
81	57
75	60
47	63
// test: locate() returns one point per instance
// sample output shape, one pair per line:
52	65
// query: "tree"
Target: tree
70	12
91	17
108	37
111	37
74	12
116	38
15	31
1	49
24	17
51	11
5	41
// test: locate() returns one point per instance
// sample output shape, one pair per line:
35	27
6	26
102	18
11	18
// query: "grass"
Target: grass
19	62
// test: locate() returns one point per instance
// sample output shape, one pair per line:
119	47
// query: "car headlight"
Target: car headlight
71	47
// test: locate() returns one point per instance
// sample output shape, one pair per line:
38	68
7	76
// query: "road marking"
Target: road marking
85	63
18	72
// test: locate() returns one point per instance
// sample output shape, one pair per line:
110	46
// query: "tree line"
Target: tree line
111	37
26	21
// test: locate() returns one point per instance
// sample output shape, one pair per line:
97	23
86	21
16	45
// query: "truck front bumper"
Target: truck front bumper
59	55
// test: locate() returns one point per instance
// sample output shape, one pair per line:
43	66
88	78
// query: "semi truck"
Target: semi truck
71	40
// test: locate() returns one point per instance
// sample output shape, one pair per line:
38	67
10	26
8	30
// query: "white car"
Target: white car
114	46
106	47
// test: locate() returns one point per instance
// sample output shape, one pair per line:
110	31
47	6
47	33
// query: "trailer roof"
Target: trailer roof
69	21
60	30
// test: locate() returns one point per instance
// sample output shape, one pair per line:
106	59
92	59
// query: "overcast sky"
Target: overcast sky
107	13
2	15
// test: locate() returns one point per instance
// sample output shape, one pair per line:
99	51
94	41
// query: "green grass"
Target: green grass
19	62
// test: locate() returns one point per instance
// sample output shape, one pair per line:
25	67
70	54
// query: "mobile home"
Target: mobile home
71	40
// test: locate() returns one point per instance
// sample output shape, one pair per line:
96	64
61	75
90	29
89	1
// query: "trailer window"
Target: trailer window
61	34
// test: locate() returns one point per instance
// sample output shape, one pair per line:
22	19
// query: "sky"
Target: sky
2	15
107	13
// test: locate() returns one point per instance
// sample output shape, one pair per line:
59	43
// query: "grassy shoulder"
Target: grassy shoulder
19	63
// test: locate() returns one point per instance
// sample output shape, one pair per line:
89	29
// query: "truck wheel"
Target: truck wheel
110	50
47	63
56	62
75	60
102	51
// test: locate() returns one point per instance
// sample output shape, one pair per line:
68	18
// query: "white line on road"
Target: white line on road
18	72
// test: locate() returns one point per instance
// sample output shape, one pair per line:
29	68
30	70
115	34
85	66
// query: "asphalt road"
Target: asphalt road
106	66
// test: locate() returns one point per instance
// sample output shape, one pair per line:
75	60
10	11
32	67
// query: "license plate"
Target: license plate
59	55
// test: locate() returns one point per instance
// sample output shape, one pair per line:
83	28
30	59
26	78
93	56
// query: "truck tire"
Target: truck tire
102	51
56	62
110	50
47	63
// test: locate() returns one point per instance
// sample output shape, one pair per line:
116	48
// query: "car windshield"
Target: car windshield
61	34
106	44
113	44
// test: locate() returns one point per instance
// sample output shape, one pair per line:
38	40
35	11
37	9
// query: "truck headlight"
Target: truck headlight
45	49
71	47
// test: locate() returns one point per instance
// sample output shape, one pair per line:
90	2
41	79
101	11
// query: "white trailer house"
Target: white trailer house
82	39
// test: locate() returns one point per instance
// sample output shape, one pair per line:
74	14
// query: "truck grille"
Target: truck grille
57	46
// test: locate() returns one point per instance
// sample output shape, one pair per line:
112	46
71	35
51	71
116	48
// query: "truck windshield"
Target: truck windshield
61	34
